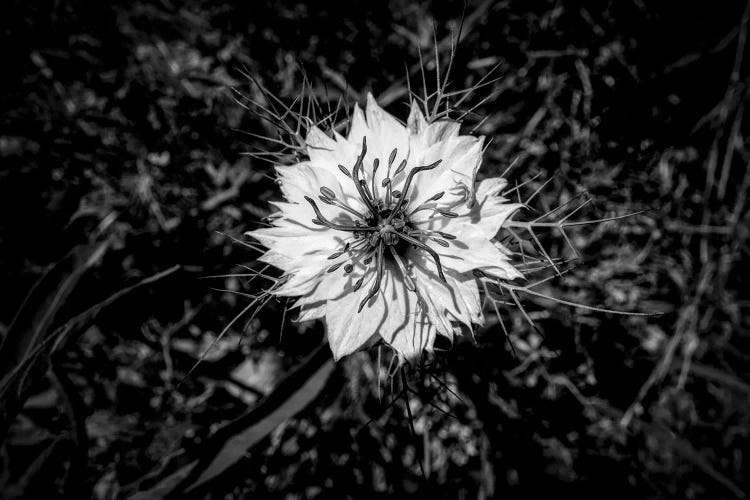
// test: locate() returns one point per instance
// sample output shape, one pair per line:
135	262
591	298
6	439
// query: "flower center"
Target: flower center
386	227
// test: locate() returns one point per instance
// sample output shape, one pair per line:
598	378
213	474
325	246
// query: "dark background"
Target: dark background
122	156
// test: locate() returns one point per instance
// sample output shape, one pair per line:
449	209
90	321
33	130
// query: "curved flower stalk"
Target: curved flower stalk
385	233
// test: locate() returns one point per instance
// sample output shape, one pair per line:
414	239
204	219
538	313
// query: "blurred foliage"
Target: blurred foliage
118	133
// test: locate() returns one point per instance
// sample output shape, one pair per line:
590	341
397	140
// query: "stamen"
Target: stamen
427	249
376	285
399	261
322	221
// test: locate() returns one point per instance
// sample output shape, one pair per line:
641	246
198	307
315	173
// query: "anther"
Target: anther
358	284
440	242
447	236
348	268
334	267
434	197
385	182
392	157
328	192
448	213
335	255
401	167
345	171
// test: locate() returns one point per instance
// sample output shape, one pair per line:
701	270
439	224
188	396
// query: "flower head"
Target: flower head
380	232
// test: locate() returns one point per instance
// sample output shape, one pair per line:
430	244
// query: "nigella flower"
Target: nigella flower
381	232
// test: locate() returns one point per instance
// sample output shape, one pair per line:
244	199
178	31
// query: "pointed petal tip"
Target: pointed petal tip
416	122
315	137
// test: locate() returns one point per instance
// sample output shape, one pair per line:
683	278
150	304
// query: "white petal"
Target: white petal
329	287
298	242
426	134
460	159
306	179
303	253
349	330
406	328
414	338
311	312
328	153
416	123
386	133
471	251
393	314
458	300
474	230
359	127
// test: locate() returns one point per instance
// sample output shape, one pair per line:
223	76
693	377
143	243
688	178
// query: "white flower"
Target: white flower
379	232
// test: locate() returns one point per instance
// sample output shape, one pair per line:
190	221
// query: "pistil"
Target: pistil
387	225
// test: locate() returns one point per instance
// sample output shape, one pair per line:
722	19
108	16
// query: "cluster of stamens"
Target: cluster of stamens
386	225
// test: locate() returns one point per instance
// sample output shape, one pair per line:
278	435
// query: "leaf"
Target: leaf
41	306
34	478
36	358
30	328
233	441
